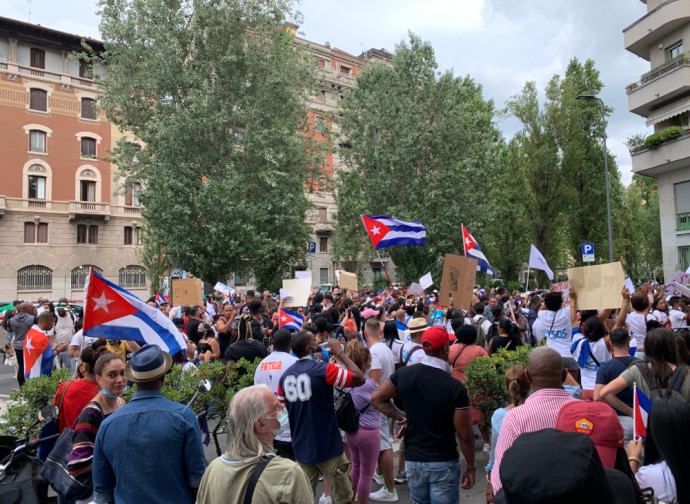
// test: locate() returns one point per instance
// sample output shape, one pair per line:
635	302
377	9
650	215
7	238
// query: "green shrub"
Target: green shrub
672	132
653	140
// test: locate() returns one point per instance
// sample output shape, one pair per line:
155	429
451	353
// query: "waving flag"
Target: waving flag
385	231
5	310
113	313
290	320
641	407
38	354
472	249
537	261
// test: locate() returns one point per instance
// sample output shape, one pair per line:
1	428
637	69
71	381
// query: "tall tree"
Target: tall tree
421	143
215	92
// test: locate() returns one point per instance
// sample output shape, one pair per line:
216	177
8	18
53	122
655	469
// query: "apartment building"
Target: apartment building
662	98
61	208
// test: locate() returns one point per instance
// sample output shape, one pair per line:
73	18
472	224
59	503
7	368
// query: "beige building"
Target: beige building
662	98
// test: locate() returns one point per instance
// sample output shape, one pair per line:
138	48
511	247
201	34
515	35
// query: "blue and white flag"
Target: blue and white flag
472	249
386	231
290	320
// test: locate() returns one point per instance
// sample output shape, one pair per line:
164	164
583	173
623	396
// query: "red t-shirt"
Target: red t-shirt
78	394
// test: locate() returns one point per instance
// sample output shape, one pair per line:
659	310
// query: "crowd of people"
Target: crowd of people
396	363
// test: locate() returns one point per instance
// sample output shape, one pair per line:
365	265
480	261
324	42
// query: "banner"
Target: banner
348	281
598	286
459	274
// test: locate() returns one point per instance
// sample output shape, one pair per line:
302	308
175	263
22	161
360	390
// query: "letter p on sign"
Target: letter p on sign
587	252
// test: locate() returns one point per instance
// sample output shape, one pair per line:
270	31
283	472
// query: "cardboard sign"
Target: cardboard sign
683	279
299	289
459	274
599	286
187	292
563	287
348	281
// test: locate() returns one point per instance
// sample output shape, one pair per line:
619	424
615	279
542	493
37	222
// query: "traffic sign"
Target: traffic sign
311	247
587	252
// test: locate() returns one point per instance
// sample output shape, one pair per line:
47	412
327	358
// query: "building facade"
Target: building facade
62	208
662	97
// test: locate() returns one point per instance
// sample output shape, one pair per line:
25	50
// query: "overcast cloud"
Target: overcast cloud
500	43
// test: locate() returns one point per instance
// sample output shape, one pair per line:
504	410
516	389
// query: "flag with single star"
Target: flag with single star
38	353
114	313
472	249
290	320
386	231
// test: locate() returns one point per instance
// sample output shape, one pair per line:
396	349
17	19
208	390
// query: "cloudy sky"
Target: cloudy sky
500	43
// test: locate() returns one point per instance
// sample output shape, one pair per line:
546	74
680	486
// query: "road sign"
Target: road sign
587	252
311	247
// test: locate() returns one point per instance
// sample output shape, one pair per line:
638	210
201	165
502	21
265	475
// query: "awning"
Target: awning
670	110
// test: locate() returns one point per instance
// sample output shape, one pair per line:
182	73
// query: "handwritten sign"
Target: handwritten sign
187	292
563	287
680	278
459	274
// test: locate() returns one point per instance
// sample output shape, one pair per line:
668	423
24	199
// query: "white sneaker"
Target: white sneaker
324	500
487	448
383	495
378	478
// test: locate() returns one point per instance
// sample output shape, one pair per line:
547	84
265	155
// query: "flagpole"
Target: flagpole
384	269
634	410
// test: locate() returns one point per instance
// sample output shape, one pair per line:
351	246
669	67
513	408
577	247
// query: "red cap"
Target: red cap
597	420
434	338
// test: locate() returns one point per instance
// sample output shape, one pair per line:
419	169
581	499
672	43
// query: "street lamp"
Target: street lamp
606	170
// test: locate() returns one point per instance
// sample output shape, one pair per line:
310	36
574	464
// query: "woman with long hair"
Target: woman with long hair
391	339
208	347
590	351
508	337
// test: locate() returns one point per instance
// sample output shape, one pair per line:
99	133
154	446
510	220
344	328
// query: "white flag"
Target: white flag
537	261
426	281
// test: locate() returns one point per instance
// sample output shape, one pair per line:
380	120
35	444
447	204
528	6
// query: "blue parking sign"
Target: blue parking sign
587	252
311	247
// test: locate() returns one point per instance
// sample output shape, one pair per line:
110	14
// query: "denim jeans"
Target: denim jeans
434	482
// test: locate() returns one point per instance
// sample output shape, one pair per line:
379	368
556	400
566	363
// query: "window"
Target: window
38	100
35	233
37	58
85	69
320	125
682	199
345	70
81	273
87	234
132	194
29	232
87	190
240	279
37	141
377	273
322	63
93	234
42	232
132	276
323	214
128	235
81	233
37	187
34	277
674	51
323	244
132	235
88	108
683	258
323	275
88	147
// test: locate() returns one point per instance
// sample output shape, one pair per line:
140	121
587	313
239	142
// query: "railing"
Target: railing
683	222
89	207
81	81
655	73
40	73
37	204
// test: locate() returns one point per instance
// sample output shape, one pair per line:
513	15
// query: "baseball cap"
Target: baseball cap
417	325
434	338
597	420
370	312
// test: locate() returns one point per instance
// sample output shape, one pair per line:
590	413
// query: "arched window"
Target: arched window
132	277
35	278
80	273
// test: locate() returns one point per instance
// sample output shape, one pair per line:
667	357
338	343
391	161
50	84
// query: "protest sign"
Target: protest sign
597	286
426	281
303	274
680	278
225	289
630	285
459	274
415	289
299	289
187	292
348	281
563	287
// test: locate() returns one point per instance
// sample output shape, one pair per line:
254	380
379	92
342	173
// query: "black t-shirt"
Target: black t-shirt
249	349
612	369
193	330
504	342
431	397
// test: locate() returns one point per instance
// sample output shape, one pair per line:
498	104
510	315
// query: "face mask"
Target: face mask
109	394
283	418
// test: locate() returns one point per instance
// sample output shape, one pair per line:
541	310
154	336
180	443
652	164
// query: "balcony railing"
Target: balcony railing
89	207
683	222
655	73
40	73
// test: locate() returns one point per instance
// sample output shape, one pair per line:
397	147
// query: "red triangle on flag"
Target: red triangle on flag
467	239
103	304
375	229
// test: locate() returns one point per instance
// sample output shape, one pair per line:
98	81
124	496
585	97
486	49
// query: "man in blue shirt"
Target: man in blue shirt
150	449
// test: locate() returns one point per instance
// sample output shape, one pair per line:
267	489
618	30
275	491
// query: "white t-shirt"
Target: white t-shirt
268	372
64	329
556	328
662	317
678	319
659	477
637	327
395	348
382	358
416	357
588	373
81	341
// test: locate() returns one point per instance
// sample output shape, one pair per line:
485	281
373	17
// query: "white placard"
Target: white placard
426	281
299	289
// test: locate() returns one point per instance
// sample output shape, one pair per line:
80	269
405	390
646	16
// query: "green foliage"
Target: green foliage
653	140
216	94
671	133
486	379
635	142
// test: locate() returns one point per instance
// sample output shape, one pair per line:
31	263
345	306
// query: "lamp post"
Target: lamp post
606	170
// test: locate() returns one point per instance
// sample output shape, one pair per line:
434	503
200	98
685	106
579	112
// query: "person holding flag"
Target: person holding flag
472	249
38	352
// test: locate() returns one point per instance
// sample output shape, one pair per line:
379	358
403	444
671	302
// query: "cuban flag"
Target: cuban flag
290	320
472	249
38	353
385	231
641	407
113	313
160	299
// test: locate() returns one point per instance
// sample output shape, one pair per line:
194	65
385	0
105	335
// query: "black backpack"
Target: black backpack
346	414
675	382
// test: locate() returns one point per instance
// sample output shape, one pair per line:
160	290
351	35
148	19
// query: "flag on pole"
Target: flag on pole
472	249
386	231
290	320
5	310
537	261
113	313
38	353
641	407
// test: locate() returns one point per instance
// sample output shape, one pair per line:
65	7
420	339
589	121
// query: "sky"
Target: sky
501	44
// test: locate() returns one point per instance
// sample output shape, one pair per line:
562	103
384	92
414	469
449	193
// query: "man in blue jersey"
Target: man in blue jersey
306	388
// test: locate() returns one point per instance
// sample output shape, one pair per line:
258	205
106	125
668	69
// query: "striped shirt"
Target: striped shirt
539	412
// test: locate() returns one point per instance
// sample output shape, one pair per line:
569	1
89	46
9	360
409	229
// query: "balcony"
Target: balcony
66	81
683	222
131	211
324	227
669	156
89	210
646	32
660	86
